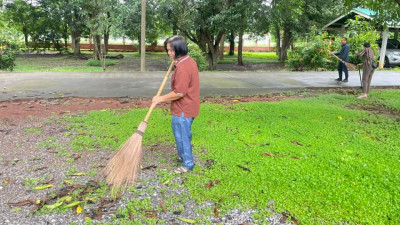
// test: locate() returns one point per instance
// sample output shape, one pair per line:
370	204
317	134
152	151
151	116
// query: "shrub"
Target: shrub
314	55
198	56
7	61
10	43
94	62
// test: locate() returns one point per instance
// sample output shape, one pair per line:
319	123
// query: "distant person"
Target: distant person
184	98
368	58
343	55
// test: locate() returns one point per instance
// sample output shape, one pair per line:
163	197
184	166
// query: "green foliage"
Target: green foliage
359	32
314	54
333	161
10	43
198	56
94	62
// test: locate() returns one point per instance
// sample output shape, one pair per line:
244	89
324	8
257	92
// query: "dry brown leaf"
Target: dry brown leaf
163	206
209	184
22	203
267	154
296	143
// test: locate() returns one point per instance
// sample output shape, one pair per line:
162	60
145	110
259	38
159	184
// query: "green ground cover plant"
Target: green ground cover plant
329	159
252	57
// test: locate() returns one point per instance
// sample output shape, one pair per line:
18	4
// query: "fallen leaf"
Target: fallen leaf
209	184
149	167
77	157
88	219
40	168
235	100
73	204
150	215
131	216
267	154
165	182
216	211
294	158
78	174
244	168
296	143
163	206
8	180
340	118
43	187
26	202
16	209
68	182
186	220
217	182
79	209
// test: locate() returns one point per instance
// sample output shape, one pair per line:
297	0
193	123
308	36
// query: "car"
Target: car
392	55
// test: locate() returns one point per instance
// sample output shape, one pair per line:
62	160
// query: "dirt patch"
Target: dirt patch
20	110
377	110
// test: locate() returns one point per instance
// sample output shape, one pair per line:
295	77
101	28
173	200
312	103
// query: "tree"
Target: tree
202	22
387	11
293	18
128	20
243	14
21	15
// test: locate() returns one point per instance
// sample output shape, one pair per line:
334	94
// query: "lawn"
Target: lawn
252	57
155	61
322	160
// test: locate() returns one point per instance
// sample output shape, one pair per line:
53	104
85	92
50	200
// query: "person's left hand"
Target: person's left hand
157	99
360	64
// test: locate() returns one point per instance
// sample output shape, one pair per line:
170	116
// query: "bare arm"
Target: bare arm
167	97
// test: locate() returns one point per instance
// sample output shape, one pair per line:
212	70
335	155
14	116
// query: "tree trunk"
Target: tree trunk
213	48
278	41
286	43
96	47
232	44
26	39
222	47
106	38
240	48
76	42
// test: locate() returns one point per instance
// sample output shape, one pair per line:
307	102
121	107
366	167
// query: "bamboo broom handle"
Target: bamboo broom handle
159	91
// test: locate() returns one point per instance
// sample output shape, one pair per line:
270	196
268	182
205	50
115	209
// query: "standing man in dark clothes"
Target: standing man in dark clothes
343	55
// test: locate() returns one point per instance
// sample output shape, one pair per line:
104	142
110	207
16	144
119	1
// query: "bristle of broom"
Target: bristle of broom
350	66
123	166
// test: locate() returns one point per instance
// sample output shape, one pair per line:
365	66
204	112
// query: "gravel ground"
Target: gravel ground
32	157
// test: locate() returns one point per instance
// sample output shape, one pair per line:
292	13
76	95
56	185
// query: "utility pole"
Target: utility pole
143	38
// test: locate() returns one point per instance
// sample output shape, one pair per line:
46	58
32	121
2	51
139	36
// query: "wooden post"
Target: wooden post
385	36
143	38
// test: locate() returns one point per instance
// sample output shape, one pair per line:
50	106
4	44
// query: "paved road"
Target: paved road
55	84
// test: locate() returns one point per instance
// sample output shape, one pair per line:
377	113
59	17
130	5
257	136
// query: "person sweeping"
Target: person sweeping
184	98
368	58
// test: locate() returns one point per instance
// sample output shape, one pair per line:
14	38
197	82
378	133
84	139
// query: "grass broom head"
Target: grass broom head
123	166
350	66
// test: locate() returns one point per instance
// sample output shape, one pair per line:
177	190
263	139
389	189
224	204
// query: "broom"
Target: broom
123	166
349	66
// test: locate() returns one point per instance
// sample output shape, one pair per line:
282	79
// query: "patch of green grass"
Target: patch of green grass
37	131
49	143
93	62
252	57
321	159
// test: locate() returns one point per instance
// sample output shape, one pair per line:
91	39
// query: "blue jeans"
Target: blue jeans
182	129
